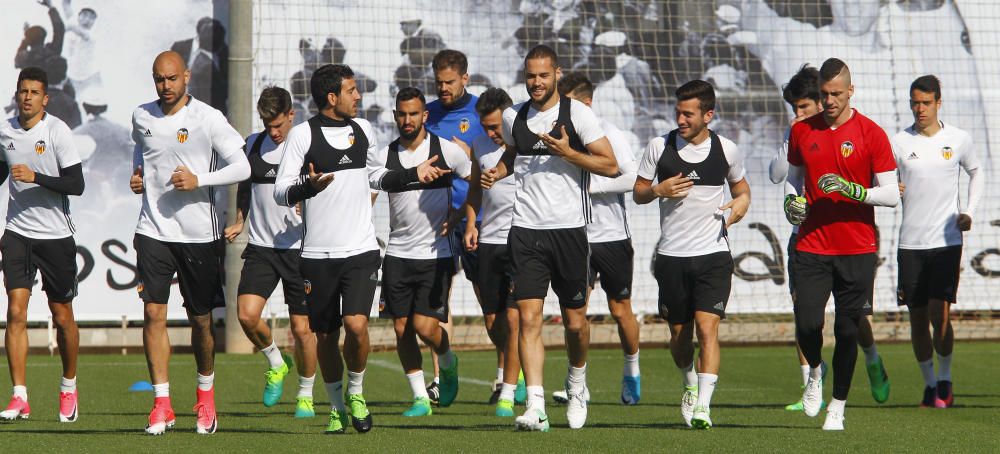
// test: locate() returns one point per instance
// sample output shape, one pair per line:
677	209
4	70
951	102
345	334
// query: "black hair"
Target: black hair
328	79
832	68
450	58
576	82
542	51
700	90
36	74
927	84
803	85
491	100
409	93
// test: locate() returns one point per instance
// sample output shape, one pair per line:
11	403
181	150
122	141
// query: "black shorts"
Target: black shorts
263	267
469	259
791	265
494	277
612	262
23	257
414	286
928	274
693	284
338	287
851	279
559	256
198	267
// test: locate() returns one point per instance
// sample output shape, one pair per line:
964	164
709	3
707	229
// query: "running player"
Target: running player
694	267
611	253
831	158
452	116
419	263
929	155
272	255
553	144
40	158
489	240
329	164
178	141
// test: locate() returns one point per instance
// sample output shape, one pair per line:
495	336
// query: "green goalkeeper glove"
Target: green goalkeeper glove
832	182
796	209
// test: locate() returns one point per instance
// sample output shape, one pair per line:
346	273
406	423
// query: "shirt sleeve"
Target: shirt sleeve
970	159
65	148
647	166
777	169
794	154
289	186
507	130
735	159
587	126
882	157
229	145
456	159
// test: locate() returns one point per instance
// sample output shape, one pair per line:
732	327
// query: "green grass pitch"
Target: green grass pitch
754	385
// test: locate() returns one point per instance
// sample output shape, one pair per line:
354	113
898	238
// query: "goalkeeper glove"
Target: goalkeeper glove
832	182
796	209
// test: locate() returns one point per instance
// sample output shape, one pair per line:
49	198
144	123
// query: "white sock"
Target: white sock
336	393
577	377
416	380
689	376
706	386
631	368
67	385
871	354
306	386
816	373
273	355
354	382
21	391
805	374
507	392
927	370
536	398
944	368
437	379
499	374
837	406
161	390
446	360
205	382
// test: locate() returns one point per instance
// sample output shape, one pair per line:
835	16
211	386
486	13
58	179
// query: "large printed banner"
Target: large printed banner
637	52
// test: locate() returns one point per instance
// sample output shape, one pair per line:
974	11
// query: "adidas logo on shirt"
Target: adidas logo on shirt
345	160
913	155
148	133
693	175
271	174
538	145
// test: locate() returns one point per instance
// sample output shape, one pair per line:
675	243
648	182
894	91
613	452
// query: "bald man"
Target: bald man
176	168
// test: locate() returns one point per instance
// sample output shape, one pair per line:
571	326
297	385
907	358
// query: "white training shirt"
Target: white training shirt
32	210
609	221
929	167
416	217
551	193
497	208
694	225
338	220
271	225
197	136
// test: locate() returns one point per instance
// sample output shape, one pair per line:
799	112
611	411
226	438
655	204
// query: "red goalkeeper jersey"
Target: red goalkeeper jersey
856	150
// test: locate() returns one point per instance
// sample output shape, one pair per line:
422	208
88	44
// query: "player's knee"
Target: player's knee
63	320
302	331
576	325
248	319
620	310
845	327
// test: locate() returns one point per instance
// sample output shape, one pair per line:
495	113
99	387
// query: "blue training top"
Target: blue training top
458	120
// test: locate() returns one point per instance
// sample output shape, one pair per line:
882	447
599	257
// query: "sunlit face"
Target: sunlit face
345	104
691	121
31	98
450	85
540	78
836	97
410	116
493	125
171	79
857	17
277	128
805	108
924	108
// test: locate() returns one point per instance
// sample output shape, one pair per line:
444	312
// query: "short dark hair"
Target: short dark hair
927	84
88	10
578	83
697	89
273	101
328	79
450	58
36	74
491	100
542	51
409	93
832	68
803	85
